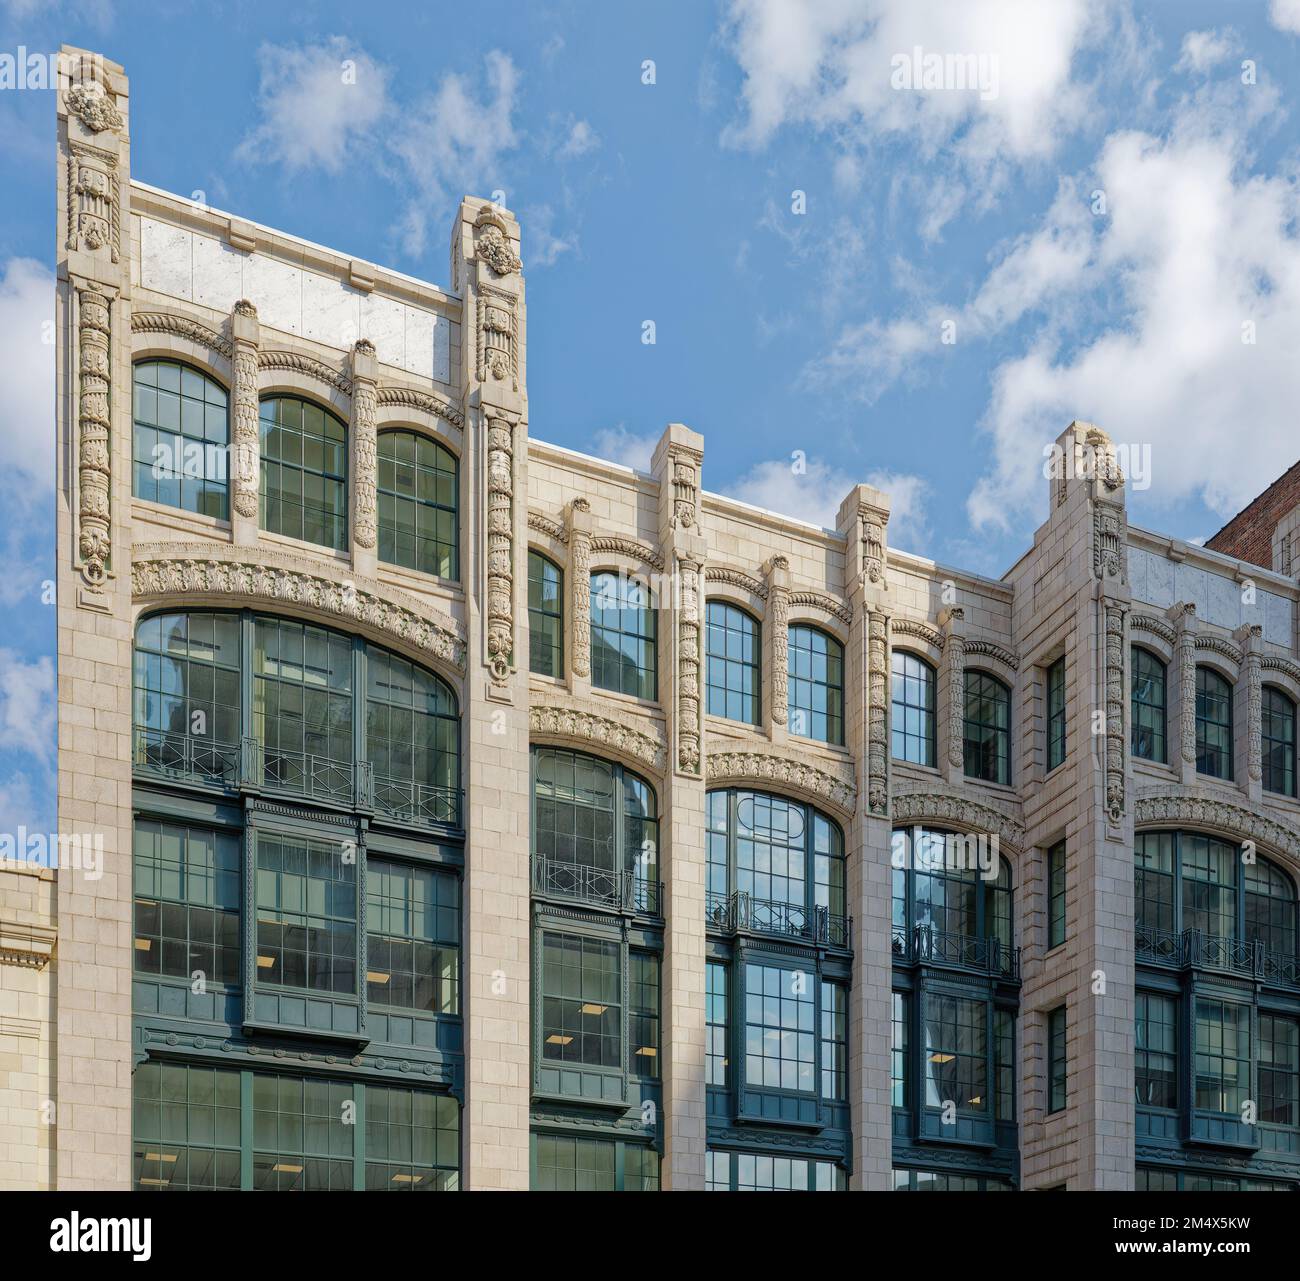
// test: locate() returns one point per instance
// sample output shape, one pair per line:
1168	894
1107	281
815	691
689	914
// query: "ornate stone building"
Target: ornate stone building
476	813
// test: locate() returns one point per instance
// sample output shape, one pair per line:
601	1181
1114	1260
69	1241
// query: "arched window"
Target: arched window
412	739
418	504
912	709
1278	741
987	728
1213	724
732	679
816	685
595	831
624	630
187	695
181	438
1150	708
545	616
304	487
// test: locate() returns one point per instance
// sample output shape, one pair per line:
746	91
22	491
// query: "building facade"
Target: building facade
479	814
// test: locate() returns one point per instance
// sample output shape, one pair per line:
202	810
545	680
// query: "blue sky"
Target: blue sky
1104	225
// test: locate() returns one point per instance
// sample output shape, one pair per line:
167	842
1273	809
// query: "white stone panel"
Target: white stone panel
1192	584
1279	625
166	265
419	343
218	273
383	321
441	349
331	311
1225	602
275	289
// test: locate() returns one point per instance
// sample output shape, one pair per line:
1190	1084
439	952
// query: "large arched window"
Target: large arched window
987	728
304	485
624	631
816	685
595	831
732	677
1278	741
180	439
1213	724
912	709
1150	707
418	504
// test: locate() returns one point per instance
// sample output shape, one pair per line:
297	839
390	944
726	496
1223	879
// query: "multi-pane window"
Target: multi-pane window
187	1127
306	914
1270	907
956	1053
1278	741
1151	1179
564	1163
900	1016
752	1172
545	616
1056	895
1149	707
643	1013
186	681
780	1049
413	937
940	1181
302	1135
987	733
417	498
1004	1065
181	438
1213	724
304	487
186	902
816	685
1056	714
624	629
412	1141
302	707
732	671
912	709
1279	1070
835	1043
412	739
1221	1056
1209	885
1153	882
715	1049
582	1001
1155	1055
1057	1059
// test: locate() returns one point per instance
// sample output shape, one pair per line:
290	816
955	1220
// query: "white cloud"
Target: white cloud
619	445
27	711
1285	15
581	139
318	104
25	804
27	370
1203	49
542	245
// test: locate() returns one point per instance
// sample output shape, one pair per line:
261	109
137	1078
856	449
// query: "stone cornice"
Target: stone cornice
605	728
944	805
1157	806
27	946
166	322
173	571
827	782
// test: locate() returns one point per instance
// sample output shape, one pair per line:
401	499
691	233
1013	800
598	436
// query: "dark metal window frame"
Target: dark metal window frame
908	670
541	619
1056	741
1214	720
1058	1067
722	616
337	482
978	736
386	496
1149	710
802	638
1278	740
642	672
1056	900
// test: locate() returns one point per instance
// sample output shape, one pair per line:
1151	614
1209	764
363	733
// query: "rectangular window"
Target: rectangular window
186	902
412	1141
1004	1065
1149	706
1056	714
187	1130
732	648
545	617
1279	1063
1155	1057
306	915
1056	895
1221	1062
643	1013
779	1037
956	1053
1213	724
413	939
835	1043
898	1049
715	1056
302	1138
1057	1063
582	1010
571	1164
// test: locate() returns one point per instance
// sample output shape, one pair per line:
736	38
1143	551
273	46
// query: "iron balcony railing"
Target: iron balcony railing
924	943
1195	949
742	912
320	778
420	802
185	756
596	886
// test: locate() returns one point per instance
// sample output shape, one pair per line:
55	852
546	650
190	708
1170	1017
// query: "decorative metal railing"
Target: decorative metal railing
741	912
597	886
1195	949
321	778
419	802
185	756
923	943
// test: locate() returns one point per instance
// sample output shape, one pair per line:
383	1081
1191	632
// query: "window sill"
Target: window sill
179	518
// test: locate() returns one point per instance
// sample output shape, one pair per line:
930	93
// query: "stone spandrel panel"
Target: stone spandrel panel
201	269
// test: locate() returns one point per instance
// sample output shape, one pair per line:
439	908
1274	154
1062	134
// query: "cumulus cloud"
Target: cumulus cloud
27	370
318	104
580	139
625	447
1203	49
27	711
1285	15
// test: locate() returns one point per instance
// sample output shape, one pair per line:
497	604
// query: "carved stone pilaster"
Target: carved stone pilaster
688	666
1110	542
94	396
877	711
1184	615
500	546
1116	736
685	463
578	516
364	446
777	573
954	657
873	522
245	438
1251	670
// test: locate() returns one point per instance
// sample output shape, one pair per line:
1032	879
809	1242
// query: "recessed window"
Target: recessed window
780	1005
987	728
1155	1051
412	1141
957	1059
624	628
181	438
582	1001
413	937
1221	1056
418	501
900	1035
1056	895
1149	707
752	1172
1056	714
643	1013
1279	1070
816	685
1213	724
564	1163
716	1019
545	616
732	675
304	488
187	1128
912	709
1057	1068
1278	741
835	1042
302	1141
